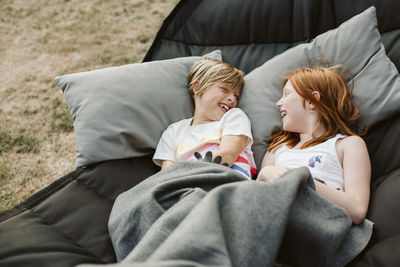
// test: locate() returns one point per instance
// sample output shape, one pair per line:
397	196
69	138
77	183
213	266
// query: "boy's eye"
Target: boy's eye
227	90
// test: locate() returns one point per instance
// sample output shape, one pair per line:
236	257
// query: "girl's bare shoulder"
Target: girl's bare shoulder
350	142
352	139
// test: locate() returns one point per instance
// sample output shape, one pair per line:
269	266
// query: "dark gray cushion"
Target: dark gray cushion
384	204
384	248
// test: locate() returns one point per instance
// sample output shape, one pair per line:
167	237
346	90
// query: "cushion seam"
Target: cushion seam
83	183
39	196
65	234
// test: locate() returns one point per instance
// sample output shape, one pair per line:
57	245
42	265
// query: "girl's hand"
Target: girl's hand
270	173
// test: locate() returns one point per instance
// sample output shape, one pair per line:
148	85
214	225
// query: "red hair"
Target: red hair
335	105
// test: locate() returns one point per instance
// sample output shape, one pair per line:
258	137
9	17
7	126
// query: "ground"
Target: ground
44	39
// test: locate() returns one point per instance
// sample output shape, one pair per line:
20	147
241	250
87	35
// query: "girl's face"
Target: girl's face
214	103
293	113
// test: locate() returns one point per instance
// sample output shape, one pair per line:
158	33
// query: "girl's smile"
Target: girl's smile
292	110
298	115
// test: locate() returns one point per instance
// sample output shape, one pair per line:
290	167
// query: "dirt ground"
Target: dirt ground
43	39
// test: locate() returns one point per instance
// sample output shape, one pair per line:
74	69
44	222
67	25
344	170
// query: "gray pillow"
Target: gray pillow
121	112
355	43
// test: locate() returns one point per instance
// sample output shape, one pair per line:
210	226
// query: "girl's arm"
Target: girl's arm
230	148
269	172
357	175
166	163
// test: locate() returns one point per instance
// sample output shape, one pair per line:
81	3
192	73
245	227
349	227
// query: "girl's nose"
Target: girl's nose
279	103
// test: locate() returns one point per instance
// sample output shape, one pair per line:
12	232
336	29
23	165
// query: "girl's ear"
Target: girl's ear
317	97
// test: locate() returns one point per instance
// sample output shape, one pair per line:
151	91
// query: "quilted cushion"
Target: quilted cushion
384	246
28	236
66	223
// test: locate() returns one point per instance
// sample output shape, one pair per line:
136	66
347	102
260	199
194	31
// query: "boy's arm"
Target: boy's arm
230	148
166	164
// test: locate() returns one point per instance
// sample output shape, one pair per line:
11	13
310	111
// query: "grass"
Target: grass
6	140
22	142
61	120
44	39
26	144
7	198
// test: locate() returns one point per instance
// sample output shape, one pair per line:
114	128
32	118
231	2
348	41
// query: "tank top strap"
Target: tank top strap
332	142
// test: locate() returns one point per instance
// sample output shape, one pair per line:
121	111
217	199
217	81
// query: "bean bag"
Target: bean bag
65	224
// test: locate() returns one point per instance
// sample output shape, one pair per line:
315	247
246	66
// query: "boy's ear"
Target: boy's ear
196	82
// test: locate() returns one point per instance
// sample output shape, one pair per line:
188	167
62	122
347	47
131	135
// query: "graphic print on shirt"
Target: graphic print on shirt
184	151
314	160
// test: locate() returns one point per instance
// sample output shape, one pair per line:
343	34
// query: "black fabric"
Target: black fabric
66	223
384	147
248	35
384	247
387	219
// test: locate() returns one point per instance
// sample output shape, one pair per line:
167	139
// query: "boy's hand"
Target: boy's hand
208	158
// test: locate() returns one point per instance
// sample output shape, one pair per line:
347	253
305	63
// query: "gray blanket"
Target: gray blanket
204	214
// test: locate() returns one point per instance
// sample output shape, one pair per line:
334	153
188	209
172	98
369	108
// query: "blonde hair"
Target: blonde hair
208	72
335	105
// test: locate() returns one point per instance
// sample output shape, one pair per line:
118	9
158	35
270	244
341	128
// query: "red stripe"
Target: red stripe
242	160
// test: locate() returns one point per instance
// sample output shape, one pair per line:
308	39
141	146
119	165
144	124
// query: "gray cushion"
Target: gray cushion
357	44
121	112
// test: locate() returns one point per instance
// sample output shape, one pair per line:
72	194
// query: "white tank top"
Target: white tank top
321	160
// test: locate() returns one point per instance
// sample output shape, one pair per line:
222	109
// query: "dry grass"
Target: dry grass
39	41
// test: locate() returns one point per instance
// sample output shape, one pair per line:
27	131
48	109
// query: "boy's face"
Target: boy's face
215	102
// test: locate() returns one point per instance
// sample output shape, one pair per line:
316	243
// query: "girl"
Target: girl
217	125
316	110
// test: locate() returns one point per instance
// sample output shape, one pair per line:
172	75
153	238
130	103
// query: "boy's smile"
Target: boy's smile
224	107
214	103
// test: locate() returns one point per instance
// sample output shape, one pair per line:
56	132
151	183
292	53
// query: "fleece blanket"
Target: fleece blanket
204	214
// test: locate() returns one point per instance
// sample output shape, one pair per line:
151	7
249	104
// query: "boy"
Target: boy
216	126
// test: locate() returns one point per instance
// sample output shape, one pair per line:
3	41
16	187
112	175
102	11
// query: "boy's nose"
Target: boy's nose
231	97
231	100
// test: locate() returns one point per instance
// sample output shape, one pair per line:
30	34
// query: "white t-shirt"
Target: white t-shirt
321	160
180	140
